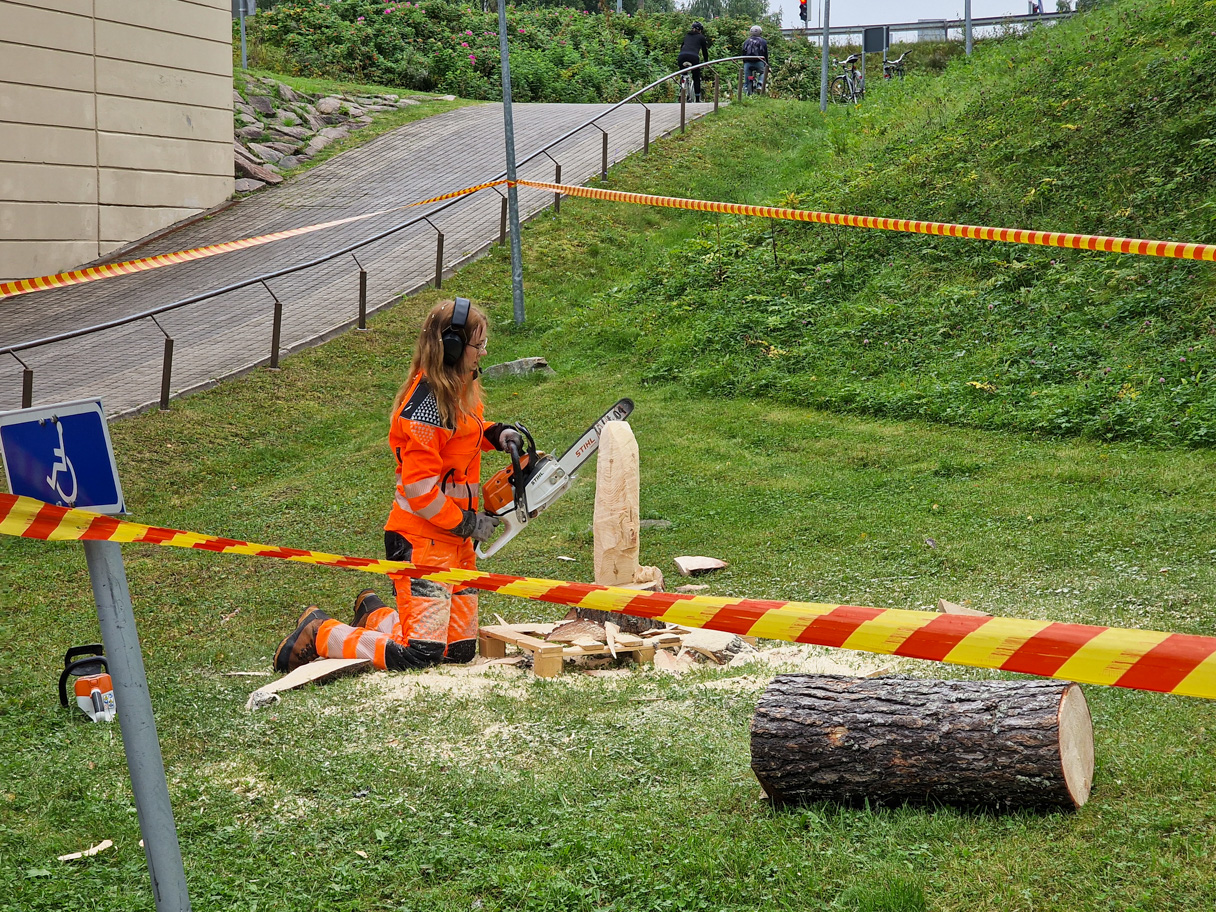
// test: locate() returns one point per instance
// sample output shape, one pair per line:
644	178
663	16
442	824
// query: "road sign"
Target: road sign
61	454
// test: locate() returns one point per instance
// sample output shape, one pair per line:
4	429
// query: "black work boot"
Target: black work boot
365	603
300	647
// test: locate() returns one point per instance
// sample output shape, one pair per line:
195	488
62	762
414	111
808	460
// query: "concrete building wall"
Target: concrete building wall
115	121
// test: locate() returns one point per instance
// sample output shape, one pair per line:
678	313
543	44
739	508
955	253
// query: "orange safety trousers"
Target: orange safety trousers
433	622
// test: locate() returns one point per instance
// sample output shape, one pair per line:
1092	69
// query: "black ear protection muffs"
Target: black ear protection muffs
454	338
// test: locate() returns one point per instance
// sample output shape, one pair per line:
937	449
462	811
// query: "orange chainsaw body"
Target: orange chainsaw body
498	493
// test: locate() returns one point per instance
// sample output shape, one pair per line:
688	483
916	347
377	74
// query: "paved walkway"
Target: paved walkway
231	334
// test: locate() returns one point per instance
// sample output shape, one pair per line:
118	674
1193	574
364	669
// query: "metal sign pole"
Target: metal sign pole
517	266
139	741
62	454
823	70
967	16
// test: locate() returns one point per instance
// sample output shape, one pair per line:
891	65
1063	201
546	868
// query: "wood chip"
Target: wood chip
91	850
610	631
951	608
690	565
360	853
572	630
665	661
562	557
692	587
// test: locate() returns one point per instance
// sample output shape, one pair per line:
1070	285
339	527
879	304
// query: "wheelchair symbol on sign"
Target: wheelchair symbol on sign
64	465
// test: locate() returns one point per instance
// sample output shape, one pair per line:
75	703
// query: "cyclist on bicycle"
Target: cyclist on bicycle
691	51
755	46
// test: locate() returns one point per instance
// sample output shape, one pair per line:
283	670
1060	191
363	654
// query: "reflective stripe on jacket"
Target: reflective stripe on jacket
438	467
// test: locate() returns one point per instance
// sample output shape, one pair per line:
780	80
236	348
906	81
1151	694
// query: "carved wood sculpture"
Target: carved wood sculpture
616	523
890	740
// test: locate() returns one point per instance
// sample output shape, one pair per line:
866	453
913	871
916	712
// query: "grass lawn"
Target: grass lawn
447	791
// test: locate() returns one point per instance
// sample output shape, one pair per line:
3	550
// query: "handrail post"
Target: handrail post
362	299
502	223
27	382
646	134
740	83
166	371
165	374
604	159
439	259
557	197
276	329
683	102
717	91
362	293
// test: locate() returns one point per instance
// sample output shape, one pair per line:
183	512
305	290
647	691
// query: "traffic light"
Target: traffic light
802	10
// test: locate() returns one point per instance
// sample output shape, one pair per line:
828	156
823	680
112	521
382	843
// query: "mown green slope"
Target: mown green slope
1103	124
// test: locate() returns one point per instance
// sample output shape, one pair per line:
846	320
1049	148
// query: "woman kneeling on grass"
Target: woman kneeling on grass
437	434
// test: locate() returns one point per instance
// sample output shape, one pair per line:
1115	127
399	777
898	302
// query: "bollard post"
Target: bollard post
502	223
439	261
646	135
27	388
165	374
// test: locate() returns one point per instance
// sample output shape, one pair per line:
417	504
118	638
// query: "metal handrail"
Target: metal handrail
245	283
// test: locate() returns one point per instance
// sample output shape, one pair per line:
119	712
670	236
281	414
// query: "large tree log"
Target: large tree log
891	740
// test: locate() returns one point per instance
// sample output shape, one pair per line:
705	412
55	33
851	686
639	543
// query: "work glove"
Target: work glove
508	436
477	526
498	434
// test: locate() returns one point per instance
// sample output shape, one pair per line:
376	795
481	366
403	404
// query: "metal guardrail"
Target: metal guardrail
926	25
27	384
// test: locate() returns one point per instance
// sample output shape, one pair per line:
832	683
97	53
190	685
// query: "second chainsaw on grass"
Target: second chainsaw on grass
534	480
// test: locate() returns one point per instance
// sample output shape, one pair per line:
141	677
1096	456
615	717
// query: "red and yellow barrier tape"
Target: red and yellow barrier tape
113	270
1138	659
1169	249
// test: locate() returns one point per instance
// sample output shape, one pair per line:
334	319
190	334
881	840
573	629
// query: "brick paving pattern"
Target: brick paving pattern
231	334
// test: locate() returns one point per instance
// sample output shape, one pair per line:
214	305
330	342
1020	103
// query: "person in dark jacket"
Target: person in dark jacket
755	46
695	46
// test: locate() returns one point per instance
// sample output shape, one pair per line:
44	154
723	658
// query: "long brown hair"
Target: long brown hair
456	392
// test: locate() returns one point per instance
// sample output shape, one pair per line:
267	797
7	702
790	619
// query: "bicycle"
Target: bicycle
892	68
688	88
754	86
848	85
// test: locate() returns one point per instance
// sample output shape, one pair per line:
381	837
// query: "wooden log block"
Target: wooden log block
617	518
891	740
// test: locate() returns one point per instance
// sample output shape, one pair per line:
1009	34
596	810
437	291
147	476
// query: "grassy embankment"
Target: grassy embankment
631	794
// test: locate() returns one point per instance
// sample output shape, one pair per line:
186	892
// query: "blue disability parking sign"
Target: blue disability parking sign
61	454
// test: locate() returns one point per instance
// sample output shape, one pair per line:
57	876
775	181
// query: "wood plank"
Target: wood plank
313	673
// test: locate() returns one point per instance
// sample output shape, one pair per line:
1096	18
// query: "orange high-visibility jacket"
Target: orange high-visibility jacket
438	467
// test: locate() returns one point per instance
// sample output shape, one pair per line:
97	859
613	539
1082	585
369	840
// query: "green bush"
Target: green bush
557	54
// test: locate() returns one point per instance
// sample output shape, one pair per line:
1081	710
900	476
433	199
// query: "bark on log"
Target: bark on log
627	622
891	740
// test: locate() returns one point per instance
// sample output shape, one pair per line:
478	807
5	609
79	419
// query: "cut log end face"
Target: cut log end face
1076	744
891	740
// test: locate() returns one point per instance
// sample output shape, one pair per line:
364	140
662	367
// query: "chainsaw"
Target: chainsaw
535	480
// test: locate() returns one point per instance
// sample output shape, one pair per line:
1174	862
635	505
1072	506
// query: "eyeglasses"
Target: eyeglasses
480	346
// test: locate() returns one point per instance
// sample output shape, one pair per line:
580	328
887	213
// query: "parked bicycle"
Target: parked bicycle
848	85
893	68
